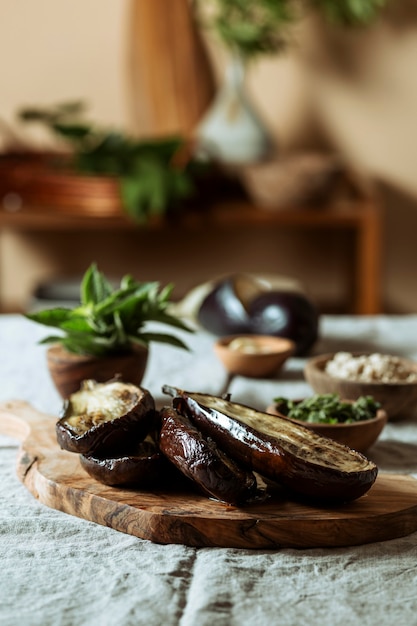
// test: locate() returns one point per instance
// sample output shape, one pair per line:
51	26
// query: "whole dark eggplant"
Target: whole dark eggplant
244	305
222	312
286	314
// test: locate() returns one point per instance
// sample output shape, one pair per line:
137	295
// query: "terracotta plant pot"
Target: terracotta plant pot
68	370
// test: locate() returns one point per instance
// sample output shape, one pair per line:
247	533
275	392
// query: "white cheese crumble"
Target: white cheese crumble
375	367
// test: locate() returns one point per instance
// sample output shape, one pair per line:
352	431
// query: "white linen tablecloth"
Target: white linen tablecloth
60	570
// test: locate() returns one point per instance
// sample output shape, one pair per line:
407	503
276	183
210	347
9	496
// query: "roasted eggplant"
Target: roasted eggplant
200	460
145	467
106	418
305	463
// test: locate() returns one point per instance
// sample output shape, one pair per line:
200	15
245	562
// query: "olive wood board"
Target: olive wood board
56	478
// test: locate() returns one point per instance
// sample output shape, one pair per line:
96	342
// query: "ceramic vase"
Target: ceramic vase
232	130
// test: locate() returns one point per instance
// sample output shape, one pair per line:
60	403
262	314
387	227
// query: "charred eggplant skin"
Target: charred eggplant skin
114	435
146	468
110	438
200	460
302	469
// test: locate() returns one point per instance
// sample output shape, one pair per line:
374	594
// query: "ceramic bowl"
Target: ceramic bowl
360	435
399	400
254	356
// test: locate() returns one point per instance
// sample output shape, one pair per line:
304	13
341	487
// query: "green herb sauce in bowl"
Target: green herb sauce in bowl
356	424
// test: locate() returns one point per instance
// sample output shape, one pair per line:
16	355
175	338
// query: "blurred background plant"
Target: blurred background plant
253	28
159	175
156	176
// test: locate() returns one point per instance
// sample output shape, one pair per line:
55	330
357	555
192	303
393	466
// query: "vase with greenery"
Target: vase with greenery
106	334
249	30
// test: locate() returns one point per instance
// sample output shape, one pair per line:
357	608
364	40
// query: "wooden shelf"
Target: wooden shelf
362	217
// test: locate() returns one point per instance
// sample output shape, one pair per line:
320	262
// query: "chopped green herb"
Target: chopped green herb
328	409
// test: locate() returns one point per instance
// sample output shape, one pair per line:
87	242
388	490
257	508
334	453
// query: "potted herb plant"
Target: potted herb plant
105	335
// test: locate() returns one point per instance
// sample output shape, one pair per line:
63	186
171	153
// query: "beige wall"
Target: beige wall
357	90
53	51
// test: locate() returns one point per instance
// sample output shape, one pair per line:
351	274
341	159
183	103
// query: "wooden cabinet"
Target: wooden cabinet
361	217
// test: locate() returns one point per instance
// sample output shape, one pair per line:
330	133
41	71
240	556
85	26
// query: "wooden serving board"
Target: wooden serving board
55	478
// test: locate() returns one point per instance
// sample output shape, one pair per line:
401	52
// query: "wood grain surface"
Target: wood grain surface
56	479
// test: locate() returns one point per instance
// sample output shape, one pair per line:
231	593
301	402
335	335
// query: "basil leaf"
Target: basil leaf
51	317
111	320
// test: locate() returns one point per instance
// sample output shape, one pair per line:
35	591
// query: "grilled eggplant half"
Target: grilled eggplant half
305	463
106	418
145	467
200	460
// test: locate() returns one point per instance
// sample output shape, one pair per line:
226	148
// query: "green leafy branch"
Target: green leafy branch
111	320
250	28
254	27
153	179
349	12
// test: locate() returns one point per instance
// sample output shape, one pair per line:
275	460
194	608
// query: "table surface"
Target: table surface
61	570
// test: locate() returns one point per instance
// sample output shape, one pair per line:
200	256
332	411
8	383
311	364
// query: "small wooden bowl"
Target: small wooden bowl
360	435
397	399
273	352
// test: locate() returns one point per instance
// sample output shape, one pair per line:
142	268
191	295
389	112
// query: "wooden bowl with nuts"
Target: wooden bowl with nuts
390	380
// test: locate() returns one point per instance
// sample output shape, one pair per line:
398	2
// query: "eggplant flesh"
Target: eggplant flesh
307	464
200	460
106	417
